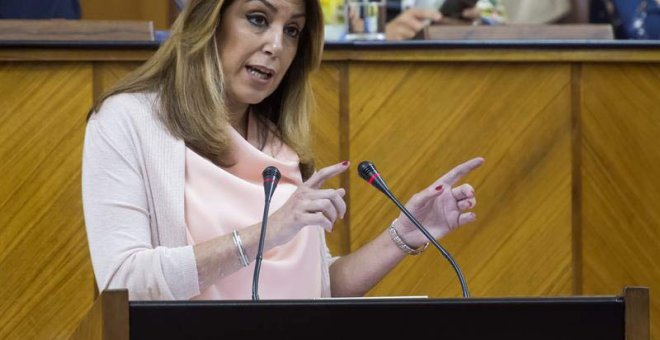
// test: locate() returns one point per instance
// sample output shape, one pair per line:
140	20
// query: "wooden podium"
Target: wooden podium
578	317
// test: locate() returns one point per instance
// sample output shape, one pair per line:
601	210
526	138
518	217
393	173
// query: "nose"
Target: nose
273	41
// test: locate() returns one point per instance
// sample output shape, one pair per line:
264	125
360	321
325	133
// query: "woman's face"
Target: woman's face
257	42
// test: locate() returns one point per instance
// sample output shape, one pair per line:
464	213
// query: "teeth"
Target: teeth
257	73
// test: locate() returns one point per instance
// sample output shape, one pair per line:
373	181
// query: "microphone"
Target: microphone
368	172
271	177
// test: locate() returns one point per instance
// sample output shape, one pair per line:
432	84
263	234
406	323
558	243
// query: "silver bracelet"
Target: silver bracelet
396	238
239	245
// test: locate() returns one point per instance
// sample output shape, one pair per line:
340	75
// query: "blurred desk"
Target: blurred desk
78	30
567	197
519	32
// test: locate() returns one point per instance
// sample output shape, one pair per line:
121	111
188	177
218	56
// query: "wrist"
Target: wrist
409	232
279	232
402	243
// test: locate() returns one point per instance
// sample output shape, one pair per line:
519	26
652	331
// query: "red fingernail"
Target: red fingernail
344	163
439	188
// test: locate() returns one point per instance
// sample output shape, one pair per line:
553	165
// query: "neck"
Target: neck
238	117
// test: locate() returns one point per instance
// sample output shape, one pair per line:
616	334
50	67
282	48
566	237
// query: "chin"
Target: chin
255	98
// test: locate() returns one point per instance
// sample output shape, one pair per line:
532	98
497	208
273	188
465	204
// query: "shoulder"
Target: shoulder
129	113
127	107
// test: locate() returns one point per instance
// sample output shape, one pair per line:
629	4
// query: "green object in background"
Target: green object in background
333	11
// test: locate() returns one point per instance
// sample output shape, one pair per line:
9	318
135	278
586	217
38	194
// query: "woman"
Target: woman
173	157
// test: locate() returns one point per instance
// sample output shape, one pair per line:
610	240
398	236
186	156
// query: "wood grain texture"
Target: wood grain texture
482	54
326	141
416	121
76	30
46	276
494	54
576	168
621	163
157	11
107	74
637	313
107	319
415	114
74	54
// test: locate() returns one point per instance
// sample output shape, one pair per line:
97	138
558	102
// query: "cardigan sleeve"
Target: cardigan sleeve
117	214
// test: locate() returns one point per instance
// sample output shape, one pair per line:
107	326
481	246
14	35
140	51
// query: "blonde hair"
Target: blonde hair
186	73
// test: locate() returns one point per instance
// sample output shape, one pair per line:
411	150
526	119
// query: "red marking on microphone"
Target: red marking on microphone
373	177
268	179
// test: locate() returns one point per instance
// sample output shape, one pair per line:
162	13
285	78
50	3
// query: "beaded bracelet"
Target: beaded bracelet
396	238
239	245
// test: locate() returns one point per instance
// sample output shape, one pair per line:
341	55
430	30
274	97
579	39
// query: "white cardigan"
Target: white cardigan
133	181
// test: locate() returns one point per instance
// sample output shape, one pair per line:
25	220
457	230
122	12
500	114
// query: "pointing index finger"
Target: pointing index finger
461	171
319	177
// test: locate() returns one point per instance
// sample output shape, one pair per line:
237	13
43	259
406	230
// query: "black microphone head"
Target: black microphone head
366	169
369	173
271	172
271	177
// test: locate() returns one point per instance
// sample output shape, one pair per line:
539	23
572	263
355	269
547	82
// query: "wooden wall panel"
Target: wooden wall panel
106	74
326	127
157	11
621	190
46	276
416	121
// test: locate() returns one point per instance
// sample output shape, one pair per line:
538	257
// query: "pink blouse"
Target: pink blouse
220	200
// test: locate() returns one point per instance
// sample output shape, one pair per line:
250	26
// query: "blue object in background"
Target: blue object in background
39	9
631	19
161	35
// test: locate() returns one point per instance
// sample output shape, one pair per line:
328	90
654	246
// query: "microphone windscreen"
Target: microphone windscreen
369	173
271	172
367	170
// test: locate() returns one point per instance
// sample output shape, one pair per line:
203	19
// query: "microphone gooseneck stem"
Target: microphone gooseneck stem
260	252
445	253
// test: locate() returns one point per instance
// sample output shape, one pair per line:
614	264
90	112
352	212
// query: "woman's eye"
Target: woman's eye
257	20
292	31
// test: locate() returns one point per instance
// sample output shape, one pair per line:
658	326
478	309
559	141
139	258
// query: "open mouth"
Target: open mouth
259	72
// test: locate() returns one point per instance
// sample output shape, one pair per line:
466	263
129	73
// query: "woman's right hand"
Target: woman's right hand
310	205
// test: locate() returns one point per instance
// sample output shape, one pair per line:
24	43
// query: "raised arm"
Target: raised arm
308	205
440	207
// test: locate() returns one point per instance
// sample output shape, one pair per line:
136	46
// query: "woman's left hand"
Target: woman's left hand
441	207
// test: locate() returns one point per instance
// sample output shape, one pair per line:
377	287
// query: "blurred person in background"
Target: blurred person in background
537	11
407	18
630	19
39	9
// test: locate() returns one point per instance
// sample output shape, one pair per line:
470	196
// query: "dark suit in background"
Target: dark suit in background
39	9
632	19
393	9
